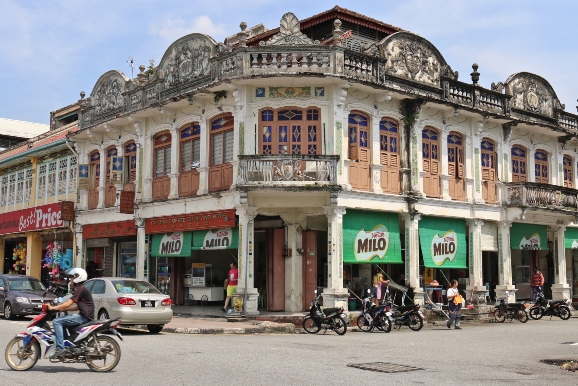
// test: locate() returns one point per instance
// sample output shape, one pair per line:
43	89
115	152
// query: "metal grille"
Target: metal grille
383	367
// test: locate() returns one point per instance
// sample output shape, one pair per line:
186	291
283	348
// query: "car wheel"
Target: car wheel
102	315
155	328
8	311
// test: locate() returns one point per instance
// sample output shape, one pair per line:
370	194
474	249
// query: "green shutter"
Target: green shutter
571	238
214	239
443	242
528	236
175	244
371	238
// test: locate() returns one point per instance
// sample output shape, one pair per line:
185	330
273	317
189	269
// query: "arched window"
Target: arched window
290	130
130	162
541	167
568	172
359	150
489	176
190	159
221	155
389	155
162	166
456	168
110	152
94	179
519	164
431	161
110	189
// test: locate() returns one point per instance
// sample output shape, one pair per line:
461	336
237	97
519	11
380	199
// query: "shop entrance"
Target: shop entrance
275	252
490	272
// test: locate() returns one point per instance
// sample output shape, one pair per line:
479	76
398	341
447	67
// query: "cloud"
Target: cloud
172	29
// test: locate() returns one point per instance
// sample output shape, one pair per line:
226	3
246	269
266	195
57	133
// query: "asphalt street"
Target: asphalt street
479	354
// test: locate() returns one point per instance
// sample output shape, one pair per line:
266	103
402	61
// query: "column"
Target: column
412	256
444	176
294	221
505	262
246	255
560	289
175	151
531	170
475	263
33	254
376	156
102	182
142	250
78	252
335	295
204	161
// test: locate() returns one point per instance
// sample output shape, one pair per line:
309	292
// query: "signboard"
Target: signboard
191	222
98	255
126	202
174	244
571	238
37	218
214	239
113	229
443	242
347	35
529	237
66	210
371	238
198	265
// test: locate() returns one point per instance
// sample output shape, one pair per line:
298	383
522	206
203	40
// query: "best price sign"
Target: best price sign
37	218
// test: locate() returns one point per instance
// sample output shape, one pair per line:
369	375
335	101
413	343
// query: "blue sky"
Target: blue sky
51	50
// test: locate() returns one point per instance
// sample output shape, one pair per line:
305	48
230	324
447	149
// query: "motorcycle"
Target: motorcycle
84	344
505	310
328	319
373	316
409	315
557	308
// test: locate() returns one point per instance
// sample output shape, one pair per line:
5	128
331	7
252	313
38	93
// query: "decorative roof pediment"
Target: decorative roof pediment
532	93
186	59
289	33
107	92
413	57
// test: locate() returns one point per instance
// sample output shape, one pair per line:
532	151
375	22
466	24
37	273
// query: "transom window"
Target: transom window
190	147
290	131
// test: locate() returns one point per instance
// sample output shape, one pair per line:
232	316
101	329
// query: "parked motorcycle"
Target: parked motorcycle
373	316
329	319
409	315
557	308
84	344
505	310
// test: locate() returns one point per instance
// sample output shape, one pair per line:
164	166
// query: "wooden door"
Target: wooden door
519	164
431	162
389	156
275	269
568	172
541	167
456	166
489	176
309	262
359	152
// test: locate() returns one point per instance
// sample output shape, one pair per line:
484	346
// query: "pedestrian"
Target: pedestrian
454	305
231	284
537	282
377	282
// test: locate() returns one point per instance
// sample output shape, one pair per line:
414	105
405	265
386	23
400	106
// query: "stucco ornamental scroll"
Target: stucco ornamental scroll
532	93
289	33
107	93
186	59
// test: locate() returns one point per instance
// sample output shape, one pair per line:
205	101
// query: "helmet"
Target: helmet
79	274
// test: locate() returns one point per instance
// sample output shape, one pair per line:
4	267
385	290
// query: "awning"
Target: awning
529	236
571	238
371	238
443	242
214	239
175	244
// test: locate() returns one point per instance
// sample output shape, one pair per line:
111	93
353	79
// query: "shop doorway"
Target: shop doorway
275	252
490	272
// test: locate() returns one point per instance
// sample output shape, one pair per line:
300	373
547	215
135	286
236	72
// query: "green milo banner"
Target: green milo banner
214	239
571	238
529	236
175	244
371	238
443	242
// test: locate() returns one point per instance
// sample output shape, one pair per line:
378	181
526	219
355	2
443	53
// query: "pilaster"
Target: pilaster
335	295
204	160
477	162
175	151
505	262
102	181
412	254
33	254
475	263
78	252
247	259
560	289
141	248
294	221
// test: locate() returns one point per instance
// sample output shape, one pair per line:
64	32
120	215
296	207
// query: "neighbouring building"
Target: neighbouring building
311	151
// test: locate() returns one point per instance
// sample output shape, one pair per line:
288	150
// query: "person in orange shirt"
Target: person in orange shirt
537	282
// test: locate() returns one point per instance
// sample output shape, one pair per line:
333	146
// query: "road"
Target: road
479	354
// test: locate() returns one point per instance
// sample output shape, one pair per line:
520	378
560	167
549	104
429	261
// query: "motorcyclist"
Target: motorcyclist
81	300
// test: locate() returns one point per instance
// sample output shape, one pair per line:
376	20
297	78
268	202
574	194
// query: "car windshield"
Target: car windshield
134	287
23	284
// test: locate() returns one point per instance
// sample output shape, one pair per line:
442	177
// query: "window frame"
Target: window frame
227	128
517	158
130	150
194	139
165	145
272	145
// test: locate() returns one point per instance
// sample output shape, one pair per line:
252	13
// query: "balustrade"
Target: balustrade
288	169
289	61
544	196
360	67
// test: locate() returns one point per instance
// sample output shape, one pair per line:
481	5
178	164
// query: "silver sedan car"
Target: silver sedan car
135	302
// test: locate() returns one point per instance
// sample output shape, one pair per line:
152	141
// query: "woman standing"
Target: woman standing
455	309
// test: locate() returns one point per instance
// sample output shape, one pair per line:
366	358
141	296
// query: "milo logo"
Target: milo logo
444	248
371	244
217	239
574	244
532	243
171	244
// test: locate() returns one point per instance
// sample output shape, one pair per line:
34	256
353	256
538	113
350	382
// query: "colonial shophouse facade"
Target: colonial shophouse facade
309	152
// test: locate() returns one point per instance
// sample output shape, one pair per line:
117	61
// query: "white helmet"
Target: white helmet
79	274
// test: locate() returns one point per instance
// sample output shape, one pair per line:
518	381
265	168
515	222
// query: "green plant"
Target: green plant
219	95
410	111
151	69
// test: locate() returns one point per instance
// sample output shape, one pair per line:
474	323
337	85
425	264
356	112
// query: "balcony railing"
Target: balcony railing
541	196
288	169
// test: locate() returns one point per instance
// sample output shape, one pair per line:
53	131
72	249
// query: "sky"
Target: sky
51	50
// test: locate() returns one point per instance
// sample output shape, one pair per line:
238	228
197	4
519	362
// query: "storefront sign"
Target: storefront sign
126	202
571	238
225	238
114	229
443	242
174	244
371	238
191	222
37	218
529	236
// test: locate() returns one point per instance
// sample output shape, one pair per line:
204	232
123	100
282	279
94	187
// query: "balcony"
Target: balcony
541	196
287	170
